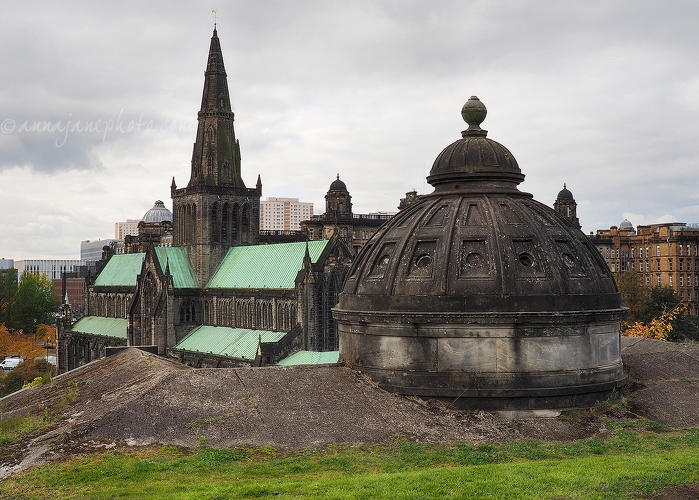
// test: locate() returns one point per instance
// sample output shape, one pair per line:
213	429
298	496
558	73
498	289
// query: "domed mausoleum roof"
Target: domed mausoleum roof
338	185
480	291
626	224
564	195
158	213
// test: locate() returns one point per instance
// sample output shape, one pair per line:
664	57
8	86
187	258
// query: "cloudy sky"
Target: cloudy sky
98	104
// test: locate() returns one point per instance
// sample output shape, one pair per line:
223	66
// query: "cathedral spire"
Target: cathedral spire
216	154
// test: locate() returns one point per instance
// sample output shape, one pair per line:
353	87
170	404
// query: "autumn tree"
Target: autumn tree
34	303
656	313
26	345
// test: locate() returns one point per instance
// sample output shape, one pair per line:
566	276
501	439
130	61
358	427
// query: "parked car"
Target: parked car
10	362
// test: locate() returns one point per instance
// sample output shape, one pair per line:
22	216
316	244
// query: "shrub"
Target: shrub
25	373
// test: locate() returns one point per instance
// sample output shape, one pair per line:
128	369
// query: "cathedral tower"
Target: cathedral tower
216	210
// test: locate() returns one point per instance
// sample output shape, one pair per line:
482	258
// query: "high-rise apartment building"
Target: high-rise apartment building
283	214
129	227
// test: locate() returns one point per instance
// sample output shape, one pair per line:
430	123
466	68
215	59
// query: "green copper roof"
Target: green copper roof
106	327
238	343
177	260
264	266
121	270
311	358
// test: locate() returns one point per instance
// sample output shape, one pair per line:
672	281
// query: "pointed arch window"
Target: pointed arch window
224	223
210	134
245	225
188	313
215	228
235	218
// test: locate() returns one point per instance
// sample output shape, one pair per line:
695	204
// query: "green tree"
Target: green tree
634	295
34	303
8	289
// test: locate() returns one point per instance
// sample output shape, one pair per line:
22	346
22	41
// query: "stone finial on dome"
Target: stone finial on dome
473	113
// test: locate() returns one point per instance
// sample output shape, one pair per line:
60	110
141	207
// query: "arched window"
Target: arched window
235	219
188	313
192	224
245	226
224	223
215	228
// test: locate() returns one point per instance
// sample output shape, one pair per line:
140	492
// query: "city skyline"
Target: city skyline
99	105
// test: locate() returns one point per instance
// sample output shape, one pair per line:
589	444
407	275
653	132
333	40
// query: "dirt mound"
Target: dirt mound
136	398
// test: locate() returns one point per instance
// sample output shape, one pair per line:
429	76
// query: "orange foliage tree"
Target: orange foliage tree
27	345
658	328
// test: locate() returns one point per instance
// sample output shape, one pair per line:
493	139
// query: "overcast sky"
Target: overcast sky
98	104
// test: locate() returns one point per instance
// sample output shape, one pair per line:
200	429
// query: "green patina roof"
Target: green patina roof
180	268
106	327
224	341
311	358
121	270
264	266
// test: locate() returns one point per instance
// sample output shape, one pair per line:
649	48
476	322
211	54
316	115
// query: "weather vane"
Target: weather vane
214	11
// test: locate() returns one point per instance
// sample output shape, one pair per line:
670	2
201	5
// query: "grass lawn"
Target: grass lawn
628	464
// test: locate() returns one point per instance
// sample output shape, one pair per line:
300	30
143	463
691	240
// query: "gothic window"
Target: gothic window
210	134
188	312
148	309
245	226
234	223
224	223
207	312
192	224
215	229
226	170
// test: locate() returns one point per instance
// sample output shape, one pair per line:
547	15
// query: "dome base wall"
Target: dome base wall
547	364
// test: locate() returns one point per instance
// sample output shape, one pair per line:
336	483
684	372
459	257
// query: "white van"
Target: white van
11	362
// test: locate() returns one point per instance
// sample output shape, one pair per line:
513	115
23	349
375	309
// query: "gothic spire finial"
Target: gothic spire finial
215	17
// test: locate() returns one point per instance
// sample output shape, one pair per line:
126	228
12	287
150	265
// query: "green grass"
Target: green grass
16	427
628	464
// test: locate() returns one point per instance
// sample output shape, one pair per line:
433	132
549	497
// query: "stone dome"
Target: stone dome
626	224
564	195
338	185
158	213
479	292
